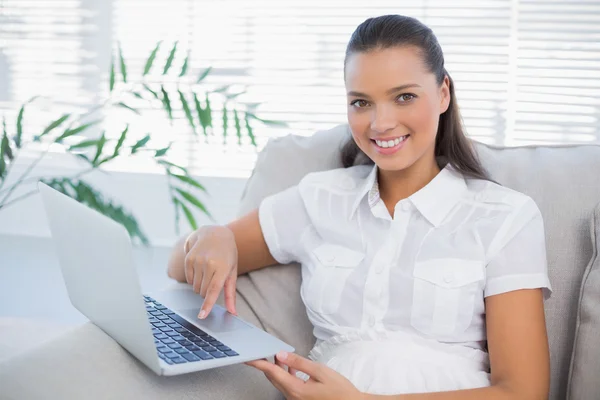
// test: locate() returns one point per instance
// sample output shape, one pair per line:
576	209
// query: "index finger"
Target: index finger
212	294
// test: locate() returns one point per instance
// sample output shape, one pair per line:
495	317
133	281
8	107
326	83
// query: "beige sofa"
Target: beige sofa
564	181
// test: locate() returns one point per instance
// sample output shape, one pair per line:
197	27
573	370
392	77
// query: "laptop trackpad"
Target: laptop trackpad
219	320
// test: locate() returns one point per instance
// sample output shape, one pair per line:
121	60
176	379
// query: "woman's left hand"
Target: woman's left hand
324	383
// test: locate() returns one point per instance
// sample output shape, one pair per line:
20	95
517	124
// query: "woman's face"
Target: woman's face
394	105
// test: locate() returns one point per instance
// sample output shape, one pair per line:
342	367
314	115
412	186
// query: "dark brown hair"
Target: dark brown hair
451	144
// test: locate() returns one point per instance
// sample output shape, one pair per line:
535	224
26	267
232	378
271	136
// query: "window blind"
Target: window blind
526	71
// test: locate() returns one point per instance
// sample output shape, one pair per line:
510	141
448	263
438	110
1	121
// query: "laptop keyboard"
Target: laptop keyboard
177	341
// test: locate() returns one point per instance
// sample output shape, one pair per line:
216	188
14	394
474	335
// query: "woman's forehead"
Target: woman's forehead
380	70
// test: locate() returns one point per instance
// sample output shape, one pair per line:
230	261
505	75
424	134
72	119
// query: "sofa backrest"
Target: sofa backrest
564	181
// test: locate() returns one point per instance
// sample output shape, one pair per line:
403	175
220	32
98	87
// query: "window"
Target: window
526	71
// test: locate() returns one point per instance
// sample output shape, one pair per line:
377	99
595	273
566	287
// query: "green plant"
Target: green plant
67	131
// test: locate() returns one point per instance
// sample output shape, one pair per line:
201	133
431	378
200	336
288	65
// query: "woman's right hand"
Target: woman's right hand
211	263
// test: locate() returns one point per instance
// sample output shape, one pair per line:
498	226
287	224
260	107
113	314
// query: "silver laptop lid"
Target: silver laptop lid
97	266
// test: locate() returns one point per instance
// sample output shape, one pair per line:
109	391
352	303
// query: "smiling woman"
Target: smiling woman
419	274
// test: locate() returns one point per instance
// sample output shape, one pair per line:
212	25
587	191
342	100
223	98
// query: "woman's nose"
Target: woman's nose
383	119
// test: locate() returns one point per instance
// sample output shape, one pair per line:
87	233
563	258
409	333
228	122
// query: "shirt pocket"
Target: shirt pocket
444	295
333	264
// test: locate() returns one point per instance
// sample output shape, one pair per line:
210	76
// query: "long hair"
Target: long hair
451	145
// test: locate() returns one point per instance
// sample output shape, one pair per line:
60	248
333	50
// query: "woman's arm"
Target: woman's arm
253	252
518	348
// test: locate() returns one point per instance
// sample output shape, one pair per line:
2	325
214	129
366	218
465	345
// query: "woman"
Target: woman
420	275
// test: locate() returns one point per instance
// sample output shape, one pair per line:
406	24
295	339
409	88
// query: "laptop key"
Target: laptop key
231	353
168	361
165	328
159	325
217	354
181	330
181	350
203	355
163	317
167	341
223	348
191	347
190	357
168	312
173	325
172	334
155	330
172	355
160	336
165	350
179	337
178	360
154	313
174	346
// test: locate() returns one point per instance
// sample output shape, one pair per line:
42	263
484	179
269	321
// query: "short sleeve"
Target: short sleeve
520	259
283	219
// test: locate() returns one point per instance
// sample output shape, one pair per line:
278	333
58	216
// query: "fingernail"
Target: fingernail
202	314
282	355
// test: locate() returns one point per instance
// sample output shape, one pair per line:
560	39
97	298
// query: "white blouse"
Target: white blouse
425	271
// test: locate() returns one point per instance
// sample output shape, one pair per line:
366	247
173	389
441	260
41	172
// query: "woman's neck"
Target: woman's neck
397	185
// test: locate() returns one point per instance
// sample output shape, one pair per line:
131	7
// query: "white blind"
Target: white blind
526	71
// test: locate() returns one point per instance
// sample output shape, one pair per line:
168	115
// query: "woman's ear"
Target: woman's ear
445	95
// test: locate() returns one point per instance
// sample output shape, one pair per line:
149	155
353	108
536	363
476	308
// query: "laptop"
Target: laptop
161	329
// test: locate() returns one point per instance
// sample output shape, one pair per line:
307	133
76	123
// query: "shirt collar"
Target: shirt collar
434	201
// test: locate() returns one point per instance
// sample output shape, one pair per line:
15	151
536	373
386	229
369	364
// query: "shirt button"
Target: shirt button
449	277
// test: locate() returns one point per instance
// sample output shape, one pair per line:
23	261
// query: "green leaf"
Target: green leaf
53	125
238	126
225	122
266	121
112	74
18	137
3	147
123	105
222	89
84	144
151	91
123	66
188	215
170	59
184	68
79	129
208	112
120	141
138	95
234	95
201	114
19	127
194	201
189	180
166	102
140	143
151	58
187	111
99	148
250	131
204	74
162	152
171	165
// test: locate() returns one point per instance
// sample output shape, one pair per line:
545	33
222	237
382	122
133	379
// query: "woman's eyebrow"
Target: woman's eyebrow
390	91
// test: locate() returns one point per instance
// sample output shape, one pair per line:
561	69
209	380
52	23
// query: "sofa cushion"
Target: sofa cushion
585	364
561	179
85	363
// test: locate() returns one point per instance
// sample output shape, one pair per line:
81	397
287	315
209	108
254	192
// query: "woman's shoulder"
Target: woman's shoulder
339	179
493	194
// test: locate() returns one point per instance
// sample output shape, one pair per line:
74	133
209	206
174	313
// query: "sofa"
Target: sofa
84	363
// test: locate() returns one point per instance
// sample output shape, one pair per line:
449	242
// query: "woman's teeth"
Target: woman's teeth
390	143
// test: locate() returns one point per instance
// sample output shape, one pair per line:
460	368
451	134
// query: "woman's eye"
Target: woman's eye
406	97
359	103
